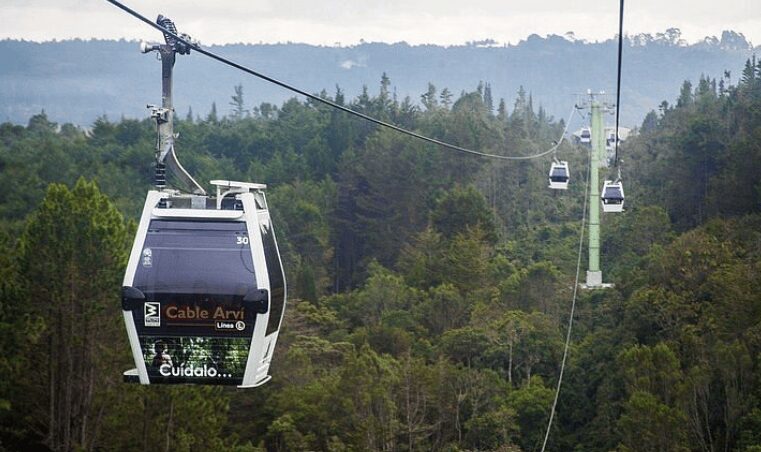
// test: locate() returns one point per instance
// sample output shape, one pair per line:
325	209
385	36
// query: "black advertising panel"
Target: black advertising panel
194	326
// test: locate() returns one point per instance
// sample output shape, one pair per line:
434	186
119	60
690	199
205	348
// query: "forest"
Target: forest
120	80
429	291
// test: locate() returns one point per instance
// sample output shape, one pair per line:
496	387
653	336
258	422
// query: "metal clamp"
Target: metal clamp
160	114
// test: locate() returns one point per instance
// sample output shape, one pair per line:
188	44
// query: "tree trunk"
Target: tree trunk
89	383
67	355
408	383
169	424
145	422
52	394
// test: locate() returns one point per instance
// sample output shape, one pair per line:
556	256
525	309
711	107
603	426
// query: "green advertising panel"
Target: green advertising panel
207	360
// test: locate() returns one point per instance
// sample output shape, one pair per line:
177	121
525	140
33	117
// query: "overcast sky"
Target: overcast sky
348	21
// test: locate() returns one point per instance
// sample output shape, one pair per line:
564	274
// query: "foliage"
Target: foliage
429	290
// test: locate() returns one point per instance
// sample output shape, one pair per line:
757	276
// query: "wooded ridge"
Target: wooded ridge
428	290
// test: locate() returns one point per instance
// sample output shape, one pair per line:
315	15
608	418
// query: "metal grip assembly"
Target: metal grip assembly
178	46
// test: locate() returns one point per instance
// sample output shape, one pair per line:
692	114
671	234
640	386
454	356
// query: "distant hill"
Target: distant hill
77	81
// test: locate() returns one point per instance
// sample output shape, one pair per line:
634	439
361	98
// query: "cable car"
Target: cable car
612	196
610	142
585	137
559	175
204	292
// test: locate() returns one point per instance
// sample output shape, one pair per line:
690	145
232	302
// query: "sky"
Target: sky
347	22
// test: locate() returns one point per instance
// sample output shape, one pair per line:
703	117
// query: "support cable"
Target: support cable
573	310
618	85
195	46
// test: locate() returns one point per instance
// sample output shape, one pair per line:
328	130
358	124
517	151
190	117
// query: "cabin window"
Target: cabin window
196	257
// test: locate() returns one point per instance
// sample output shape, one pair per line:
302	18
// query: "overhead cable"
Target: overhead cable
618	86
581	239
573	310
195	46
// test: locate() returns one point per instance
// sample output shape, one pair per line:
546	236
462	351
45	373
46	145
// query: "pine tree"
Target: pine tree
749	72
339	96
72	255
212	117
429	98
238	103
685	95
488	100
446	98
502	110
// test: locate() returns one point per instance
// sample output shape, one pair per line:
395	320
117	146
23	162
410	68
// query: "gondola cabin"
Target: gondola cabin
585	137
610	141
204	294
612	197
559	175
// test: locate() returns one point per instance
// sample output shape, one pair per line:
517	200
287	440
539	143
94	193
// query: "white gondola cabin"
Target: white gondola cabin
204	293
559	175
612	196
585	137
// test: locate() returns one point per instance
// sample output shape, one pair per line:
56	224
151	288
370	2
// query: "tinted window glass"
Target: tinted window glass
613	193
196	257
275	271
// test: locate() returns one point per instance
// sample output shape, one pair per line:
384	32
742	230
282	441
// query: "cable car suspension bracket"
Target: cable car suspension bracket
164	115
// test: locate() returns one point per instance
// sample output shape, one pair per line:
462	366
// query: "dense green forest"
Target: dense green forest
429	290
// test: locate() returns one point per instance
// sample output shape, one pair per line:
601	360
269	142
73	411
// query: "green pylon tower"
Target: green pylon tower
594	273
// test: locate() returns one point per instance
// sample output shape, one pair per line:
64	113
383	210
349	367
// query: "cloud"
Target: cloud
349	64
417	22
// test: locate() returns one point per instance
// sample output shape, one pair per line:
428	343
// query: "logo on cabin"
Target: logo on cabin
223	325
152	314
219	317
240	325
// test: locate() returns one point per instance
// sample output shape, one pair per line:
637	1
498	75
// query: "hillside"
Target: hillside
78	81
429	291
